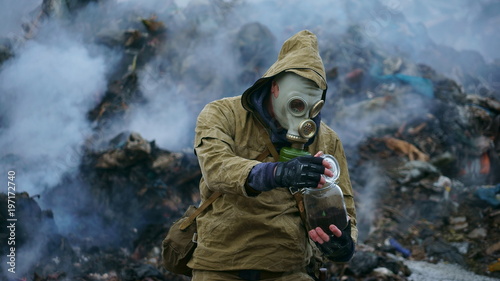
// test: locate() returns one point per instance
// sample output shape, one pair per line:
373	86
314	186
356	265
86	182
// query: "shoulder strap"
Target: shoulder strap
272	149
269	145
200	209
189	220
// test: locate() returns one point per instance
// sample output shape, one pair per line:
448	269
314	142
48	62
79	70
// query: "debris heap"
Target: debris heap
423	151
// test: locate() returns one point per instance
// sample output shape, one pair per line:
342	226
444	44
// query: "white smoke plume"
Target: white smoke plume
373	189
14	13
46	90
61	80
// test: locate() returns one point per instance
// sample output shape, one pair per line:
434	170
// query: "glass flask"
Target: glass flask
325	205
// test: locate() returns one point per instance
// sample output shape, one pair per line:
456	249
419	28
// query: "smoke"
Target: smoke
48	87
396	25
61	79
461	24
14	13
373	187
163	119
172	98
46	90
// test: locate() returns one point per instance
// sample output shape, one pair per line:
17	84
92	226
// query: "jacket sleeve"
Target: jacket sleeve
222	169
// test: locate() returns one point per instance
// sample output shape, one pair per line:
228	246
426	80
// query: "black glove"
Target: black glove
339	249
303	171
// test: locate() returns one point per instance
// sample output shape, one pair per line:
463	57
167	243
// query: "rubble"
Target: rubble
423	151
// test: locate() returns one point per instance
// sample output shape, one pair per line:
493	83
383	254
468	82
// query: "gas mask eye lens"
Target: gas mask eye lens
297	106
316	109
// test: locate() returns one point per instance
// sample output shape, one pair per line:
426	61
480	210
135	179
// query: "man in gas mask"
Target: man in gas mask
254	230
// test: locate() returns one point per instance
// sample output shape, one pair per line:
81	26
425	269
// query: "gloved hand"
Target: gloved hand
303	171
338	249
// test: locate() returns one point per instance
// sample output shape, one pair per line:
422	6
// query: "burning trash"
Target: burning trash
97	118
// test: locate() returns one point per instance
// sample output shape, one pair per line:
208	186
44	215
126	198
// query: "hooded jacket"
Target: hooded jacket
261	232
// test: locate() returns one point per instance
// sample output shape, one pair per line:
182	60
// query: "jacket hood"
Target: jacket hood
299	54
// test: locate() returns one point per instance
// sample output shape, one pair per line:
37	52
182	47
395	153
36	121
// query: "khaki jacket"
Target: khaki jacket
264	232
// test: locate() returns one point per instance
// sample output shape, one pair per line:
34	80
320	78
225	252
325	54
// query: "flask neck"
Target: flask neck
327	188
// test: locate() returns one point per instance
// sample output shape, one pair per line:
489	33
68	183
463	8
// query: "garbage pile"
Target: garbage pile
424	161
423	151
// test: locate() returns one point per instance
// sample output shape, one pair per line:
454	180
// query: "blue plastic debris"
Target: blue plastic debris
398	247
489	194
422	86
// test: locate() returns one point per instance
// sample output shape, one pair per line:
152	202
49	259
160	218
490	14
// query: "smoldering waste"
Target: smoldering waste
423	151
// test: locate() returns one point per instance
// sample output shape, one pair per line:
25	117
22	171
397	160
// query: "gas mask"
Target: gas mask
295	102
